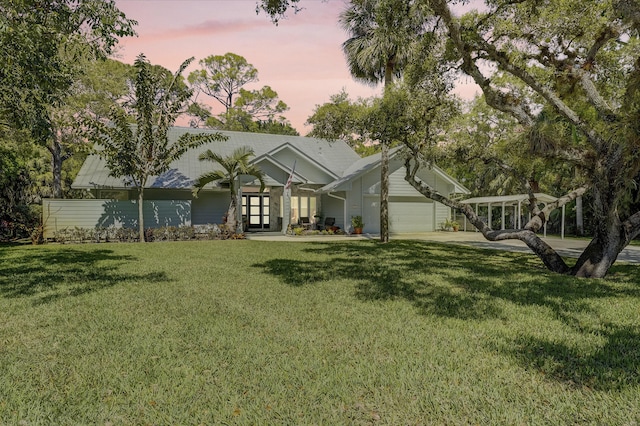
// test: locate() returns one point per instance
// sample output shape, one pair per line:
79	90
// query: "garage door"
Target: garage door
410	216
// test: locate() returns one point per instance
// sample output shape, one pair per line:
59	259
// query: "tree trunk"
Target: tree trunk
596	259
56	168
232	212
610	234
384	170
384	194
602	251
141	214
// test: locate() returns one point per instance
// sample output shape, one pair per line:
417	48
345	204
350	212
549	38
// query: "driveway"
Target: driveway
567	247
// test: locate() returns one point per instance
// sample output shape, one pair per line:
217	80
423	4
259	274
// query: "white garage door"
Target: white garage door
410	216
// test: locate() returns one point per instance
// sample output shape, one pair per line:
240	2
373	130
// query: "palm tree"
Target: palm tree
233	166
379	47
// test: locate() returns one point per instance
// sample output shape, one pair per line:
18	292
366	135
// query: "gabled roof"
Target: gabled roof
331	157
357	169
297	177
367	164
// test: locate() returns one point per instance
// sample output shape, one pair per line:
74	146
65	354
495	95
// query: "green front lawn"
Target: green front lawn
247	332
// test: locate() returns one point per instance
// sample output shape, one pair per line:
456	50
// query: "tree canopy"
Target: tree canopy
39	46
342	119
580	64
223	78
43	47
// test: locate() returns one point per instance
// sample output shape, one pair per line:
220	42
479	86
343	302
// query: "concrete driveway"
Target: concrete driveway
567	247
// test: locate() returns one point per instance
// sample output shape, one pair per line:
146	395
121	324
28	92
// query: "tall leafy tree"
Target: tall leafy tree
381	33
18	188
343	119
233	167
142	150
580	61
222	77
41	47
256	111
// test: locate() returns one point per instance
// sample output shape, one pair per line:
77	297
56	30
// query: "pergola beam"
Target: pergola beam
515	201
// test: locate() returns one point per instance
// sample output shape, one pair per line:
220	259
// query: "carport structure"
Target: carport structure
514	202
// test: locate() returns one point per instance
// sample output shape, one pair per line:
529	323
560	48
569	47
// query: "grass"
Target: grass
247	332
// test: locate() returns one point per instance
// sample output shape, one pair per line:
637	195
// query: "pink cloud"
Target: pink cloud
301	58
204	29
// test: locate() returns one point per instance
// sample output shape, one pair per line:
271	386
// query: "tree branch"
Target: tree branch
493	97
527	234
497	99
596	140
631	227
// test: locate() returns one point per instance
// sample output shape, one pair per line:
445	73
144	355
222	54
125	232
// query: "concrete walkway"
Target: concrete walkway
568	247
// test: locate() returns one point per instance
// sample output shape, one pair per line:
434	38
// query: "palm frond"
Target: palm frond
206	179
211	156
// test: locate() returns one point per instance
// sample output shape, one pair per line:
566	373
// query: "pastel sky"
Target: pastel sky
301	58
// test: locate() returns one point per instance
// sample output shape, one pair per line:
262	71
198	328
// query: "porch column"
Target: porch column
239	224
519	214
476	230
489	215
286	209
502	218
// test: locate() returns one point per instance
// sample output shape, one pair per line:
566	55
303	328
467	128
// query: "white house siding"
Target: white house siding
409	210
354	202
63	214
398	187
209	207
442	213
333	207
432	179
371	213
409	214
274	172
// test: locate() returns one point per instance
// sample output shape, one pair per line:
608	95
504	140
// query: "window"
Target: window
300	207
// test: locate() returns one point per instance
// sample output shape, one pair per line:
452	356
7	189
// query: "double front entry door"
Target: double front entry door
255	208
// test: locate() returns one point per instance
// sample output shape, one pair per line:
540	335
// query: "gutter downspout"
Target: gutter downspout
344	203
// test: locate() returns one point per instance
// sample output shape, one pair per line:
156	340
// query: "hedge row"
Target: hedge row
126	235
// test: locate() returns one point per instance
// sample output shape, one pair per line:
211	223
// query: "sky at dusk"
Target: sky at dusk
301	58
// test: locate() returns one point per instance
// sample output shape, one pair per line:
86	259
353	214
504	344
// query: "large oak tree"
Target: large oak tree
581	61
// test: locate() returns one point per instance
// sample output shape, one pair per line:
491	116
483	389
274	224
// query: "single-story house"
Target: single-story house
329	179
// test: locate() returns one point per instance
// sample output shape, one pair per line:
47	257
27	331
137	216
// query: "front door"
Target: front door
256	210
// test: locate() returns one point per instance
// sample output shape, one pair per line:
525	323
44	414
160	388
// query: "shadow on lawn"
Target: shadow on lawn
615	365
48	275
473	284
